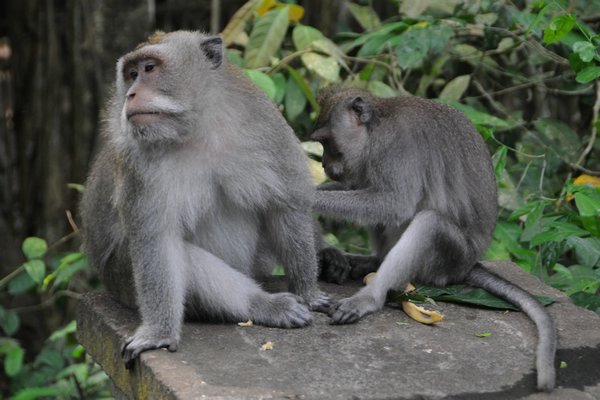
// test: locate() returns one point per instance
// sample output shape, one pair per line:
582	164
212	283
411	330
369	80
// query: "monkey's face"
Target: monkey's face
344	136
160	85
333	159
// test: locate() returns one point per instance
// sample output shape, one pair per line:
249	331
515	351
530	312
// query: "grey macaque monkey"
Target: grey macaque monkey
419	177
199	188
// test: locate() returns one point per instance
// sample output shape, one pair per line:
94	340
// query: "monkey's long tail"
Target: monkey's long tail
546	348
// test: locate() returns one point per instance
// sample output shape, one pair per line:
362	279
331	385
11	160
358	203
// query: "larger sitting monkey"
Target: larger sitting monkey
199	186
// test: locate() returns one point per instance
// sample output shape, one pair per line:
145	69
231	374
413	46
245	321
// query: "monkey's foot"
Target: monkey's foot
280	310
333	265
143	340
320	302
351	309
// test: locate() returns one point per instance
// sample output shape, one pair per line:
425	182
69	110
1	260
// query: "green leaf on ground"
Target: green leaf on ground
463	295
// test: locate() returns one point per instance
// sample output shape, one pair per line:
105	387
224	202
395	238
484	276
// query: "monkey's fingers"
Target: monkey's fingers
322	303
135	345
354	308
342	317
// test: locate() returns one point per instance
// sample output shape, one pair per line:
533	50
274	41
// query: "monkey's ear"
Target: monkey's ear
213	50
362	109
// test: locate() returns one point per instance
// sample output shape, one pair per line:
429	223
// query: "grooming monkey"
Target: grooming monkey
199	188
418	176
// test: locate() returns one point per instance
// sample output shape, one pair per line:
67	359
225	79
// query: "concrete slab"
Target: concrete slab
386	355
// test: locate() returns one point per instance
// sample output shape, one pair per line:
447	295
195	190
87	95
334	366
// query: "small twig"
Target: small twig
370	61
595	112
523	175
489	98
286	60
510	49
48	302
528	42
79	388
547	53
584	170
577	92
8	277
62	240
542	172
514	150
591	19
396	71
71	221
517	87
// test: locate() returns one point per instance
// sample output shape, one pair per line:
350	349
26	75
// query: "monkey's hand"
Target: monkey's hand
144	339
333	265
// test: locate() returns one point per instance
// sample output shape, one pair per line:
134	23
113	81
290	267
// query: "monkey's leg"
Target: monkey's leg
431	249
215	288
292	236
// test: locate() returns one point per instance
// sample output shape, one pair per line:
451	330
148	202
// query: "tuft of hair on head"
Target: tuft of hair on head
156	37
334	94
326	100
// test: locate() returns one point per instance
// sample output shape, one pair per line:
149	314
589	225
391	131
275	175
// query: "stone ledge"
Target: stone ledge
385	355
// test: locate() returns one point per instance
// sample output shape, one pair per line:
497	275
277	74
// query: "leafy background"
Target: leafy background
525	73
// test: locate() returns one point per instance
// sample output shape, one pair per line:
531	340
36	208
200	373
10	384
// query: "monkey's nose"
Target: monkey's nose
317	135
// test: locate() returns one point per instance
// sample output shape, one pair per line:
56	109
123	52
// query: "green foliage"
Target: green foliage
266	37
61	369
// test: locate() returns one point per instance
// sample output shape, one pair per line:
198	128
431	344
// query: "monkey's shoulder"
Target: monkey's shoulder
417	106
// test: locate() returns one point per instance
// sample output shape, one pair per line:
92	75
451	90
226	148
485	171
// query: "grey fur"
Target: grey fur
418	176
199	183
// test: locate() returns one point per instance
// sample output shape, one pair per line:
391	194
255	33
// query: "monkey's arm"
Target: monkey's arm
364	207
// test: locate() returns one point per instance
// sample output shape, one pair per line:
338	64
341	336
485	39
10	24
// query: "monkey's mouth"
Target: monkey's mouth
143	117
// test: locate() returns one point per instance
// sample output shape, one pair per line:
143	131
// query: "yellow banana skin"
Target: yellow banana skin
414	311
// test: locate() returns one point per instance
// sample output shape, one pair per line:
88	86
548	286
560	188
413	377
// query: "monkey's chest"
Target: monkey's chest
229	232
212	217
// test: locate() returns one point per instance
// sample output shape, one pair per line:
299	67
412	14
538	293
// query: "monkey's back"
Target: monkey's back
439	155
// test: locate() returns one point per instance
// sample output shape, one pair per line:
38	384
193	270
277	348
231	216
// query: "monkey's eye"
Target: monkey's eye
133	74
148	67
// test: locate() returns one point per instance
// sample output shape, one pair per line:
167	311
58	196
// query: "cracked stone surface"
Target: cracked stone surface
386	355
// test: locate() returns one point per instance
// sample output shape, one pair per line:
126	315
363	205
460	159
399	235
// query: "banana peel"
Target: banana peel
414	311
